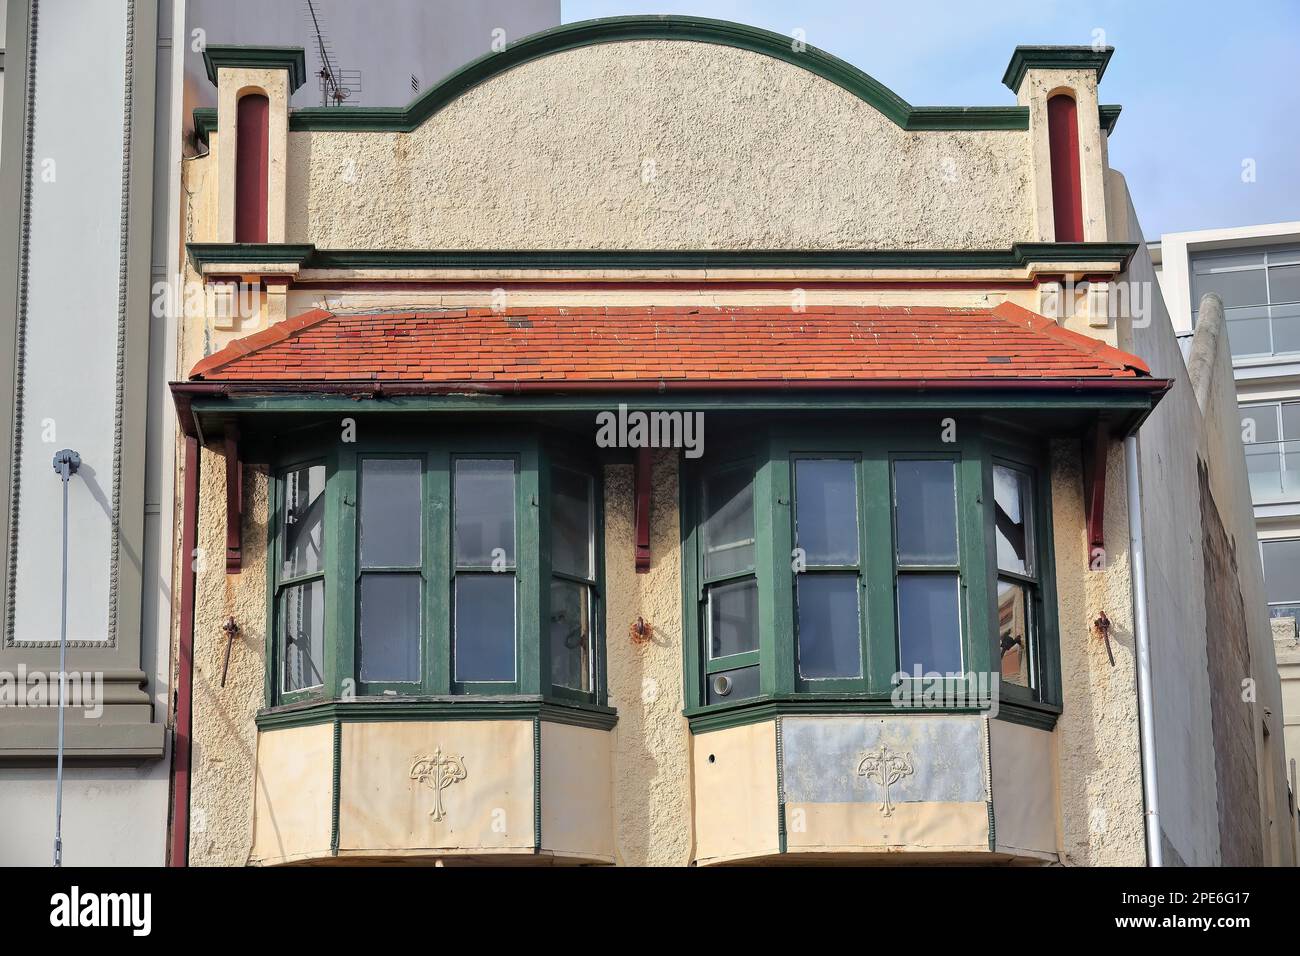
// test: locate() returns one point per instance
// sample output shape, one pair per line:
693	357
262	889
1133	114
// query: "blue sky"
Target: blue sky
1204	85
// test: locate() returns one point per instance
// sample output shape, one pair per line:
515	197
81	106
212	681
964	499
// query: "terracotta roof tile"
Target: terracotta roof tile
758	343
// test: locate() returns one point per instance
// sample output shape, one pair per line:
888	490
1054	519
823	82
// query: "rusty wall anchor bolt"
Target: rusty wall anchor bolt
641	632
1102	624
231	629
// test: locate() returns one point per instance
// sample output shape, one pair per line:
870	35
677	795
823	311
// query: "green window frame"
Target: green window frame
347	574
776	458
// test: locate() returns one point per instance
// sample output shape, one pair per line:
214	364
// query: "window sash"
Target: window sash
279	584
856	681
774	457
575	463
342	573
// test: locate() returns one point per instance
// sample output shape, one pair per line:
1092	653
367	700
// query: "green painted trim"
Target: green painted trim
1065	400
260	253
459	707
290	58
1038	716
703	720
336	783
573	36
1108	116
307	256
1026	58
205	123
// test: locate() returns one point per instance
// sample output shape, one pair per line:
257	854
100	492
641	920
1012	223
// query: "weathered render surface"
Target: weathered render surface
652	771
225	737
660	145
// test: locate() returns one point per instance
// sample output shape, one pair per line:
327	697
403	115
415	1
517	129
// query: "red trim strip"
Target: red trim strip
1063	148
252	167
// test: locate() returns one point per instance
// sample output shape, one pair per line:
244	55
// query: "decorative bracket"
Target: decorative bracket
642	496
234	501
1095	446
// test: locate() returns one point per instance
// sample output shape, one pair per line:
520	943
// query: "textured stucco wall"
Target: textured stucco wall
225	737
1099	765
659	144
652	749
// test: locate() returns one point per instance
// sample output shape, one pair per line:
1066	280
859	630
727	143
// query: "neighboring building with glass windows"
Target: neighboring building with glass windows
589	468
1255	270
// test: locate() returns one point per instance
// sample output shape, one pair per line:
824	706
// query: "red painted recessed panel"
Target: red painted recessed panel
1063	142
251	168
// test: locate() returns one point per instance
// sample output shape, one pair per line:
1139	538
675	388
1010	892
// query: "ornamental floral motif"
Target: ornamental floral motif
885	767
439	771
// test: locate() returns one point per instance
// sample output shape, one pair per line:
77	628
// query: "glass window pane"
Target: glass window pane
929	625
737	684
485	627
1244	287
1284	283
571	657
1011	521
390	512
1282	571
830	640
1286	327
485	511
571	531
303	635
1248	332
1014	633
389	614
1259	423
925	510
304	521
826	510
733	618
728	532
1291	420
728	523
1210	261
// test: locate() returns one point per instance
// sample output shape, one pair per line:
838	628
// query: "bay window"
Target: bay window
836	561
730	587
414	567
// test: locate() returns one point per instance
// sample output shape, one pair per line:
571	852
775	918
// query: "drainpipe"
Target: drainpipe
181	746
1142	640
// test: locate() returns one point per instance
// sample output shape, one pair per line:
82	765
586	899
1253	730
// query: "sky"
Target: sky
1210	90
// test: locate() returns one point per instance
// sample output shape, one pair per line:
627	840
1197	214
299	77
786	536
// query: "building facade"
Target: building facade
95	126
660	444
1255	270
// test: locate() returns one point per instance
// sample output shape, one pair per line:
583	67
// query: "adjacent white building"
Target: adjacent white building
1255	270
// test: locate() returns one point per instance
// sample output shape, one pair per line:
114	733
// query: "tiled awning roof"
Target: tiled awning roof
766	346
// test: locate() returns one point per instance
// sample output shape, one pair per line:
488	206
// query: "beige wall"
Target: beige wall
652	754
658	144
